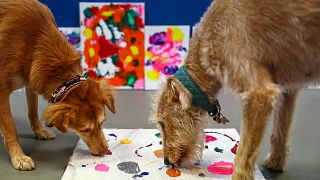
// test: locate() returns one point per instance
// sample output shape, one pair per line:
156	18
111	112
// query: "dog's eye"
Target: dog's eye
85	130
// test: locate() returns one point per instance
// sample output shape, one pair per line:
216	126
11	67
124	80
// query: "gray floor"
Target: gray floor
133	108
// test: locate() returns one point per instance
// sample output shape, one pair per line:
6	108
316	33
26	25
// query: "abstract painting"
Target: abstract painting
72	34
137	154
165	50
112	41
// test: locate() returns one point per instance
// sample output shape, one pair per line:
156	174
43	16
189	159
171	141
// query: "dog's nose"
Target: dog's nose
166	161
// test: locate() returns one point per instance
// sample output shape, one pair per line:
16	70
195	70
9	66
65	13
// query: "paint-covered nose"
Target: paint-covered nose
166	161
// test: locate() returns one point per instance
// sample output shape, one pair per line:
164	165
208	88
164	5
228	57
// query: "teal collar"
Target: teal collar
199	98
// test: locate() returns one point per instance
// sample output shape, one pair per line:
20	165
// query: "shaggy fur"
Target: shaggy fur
263	52
35	55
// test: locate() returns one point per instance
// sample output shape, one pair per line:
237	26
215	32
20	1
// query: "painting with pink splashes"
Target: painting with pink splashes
165	51
142	158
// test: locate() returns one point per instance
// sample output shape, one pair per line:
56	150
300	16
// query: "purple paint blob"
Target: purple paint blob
113	135
210	138
102	167
140	175
158	38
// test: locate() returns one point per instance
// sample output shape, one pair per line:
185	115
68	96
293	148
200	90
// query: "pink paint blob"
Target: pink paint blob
223	168
139	84
106	152
102	167
210	138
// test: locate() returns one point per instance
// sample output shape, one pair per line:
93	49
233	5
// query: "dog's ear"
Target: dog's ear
179	91
107	95
83	89
59	115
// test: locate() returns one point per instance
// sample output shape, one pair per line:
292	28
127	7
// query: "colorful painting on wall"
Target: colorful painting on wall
138	154
112	40
73	35
165	50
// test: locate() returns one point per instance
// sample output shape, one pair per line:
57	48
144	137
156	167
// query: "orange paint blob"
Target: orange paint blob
158	153
173	172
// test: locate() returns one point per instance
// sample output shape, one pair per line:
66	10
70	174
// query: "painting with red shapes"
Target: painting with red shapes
112	42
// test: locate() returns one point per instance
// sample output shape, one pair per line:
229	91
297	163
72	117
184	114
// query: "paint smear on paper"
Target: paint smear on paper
125	141
140	175
223	168
158	153
151	162
129	167
158	135
173	172
102	167
106	152
234	149
218	150
137	151
113	135
210	138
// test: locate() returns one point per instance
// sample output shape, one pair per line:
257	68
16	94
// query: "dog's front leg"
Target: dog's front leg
18	159
257	106
37	129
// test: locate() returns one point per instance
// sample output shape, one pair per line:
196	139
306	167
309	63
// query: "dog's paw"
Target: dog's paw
44	134
275	163
22	162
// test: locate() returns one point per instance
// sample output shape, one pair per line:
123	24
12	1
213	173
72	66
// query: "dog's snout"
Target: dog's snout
166	161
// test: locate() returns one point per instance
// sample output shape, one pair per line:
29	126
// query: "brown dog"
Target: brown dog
34	54
263	52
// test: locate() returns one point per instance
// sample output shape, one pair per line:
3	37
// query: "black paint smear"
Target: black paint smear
136	151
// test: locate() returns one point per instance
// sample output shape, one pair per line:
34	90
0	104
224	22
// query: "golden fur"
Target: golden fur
263	52
35	55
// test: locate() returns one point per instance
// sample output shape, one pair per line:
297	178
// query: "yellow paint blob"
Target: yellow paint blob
177	34
88	33
148	54
107	13
128	59
92	53
125	141
134	50
153	75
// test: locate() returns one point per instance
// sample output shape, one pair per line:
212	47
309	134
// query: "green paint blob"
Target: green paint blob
104	61
216	149
158	135
87	13
129	19
86	74
131	80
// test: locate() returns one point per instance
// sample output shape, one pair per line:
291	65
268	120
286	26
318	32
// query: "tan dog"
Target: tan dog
263	52
34	54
